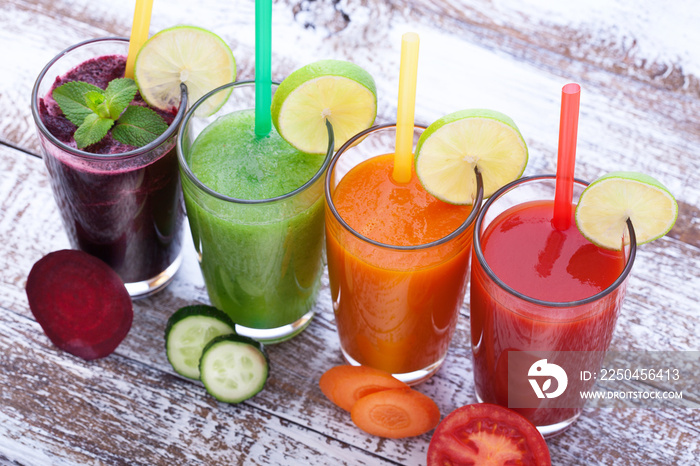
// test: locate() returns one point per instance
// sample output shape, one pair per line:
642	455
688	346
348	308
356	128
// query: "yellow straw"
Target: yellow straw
139	33
403	153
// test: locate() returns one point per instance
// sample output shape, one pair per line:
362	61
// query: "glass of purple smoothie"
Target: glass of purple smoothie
120	203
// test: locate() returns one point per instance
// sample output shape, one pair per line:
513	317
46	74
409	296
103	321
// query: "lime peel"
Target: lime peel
450	148
184	54
340	91
607	203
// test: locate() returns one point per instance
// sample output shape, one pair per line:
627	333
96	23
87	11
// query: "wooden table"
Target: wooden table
639	68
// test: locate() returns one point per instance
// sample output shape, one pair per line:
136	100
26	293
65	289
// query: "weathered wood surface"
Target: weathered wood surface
640	110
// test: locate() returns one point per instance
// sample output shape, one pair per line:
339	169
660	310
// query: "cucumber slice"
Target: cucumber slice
234	368
188	330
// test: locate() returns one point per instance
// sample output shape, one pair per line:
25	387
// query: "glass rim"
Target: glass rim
329	201
197	182
171	131
478	252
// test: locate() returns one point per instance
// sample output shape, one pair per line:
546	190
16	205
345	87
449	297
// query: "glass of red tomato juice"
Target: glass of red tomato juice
543	304
398	260
119	203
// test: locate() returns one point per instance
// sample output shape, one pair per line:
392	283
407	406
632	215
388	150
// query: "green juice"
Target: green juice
261	261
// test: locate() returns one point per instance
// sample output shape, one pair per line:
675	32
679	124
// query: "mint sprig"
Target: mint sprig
93	129
73	100
95	111
138	126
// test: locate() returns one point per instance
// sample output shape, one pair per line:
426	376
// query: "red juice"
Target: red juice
525	251
126	210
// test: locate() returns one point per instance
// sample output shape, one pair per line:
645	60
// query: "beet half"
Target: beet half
80	302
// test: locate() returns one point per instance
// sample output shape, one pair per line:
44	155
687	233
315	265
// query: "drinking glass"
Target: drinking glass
519	341
396	307
126	209
261	259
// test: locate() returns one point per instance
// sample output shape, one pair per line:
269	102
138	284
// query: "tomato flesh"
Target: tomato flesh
487	434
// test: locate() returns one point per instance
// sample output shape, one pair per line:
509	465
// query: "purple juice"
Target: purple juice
126	210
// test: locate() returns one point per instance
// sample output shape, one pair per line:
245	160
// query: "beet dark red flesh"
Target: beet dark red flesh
80	303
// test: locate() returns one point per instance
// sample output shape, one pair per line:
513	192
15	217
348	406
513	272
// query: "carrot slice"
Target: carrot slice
396	413
346	384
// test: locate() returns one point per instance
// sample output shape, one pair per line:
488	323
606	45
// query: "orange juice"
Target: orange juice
398	274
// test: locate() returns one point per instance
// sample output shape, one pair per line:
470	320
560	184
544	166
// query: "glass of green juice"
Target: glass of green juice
255	208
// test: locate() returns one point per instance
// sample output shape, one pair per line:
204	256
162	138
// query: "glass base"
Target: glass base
146	288
279	334
548	431
409	378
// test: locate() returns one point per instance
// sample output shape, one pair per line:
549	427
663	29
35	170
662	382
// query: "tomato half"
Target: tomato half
487	434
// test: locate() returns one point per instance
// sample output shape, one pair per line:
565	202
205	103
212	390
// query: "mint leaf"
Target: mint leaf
96	102
139	126
93	99
118	95
94	112
92	130
70	97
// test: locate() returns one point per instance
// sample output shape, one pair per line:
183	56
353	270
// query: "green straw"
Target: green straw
263	72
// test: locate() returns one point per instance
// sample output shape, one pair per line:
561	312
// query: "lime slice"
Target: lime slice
607	203
450	148
338	90
184	54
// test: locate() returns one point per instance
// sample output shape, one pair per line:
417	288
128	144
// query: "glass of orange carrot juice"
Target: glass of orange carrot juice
398	260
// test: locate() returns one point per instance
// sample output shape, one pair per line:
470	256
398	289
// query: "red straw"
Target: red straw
566	158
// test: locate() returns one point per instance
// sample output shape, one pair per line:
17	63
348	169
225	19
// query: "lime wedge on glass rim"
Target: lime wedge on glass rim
606	204
184	54
337	90
450	148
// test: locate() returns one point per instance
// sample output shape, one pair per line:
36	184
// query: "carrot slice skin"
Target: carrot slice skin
396	413
346	384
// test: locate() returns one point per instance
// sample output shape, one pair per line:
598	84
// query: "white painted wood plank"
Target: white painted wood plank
473	54
292	395
58	409
510	55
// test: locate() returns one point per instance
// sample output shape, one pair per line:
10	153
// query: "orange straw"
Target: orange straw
566	158
403	153
139	33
